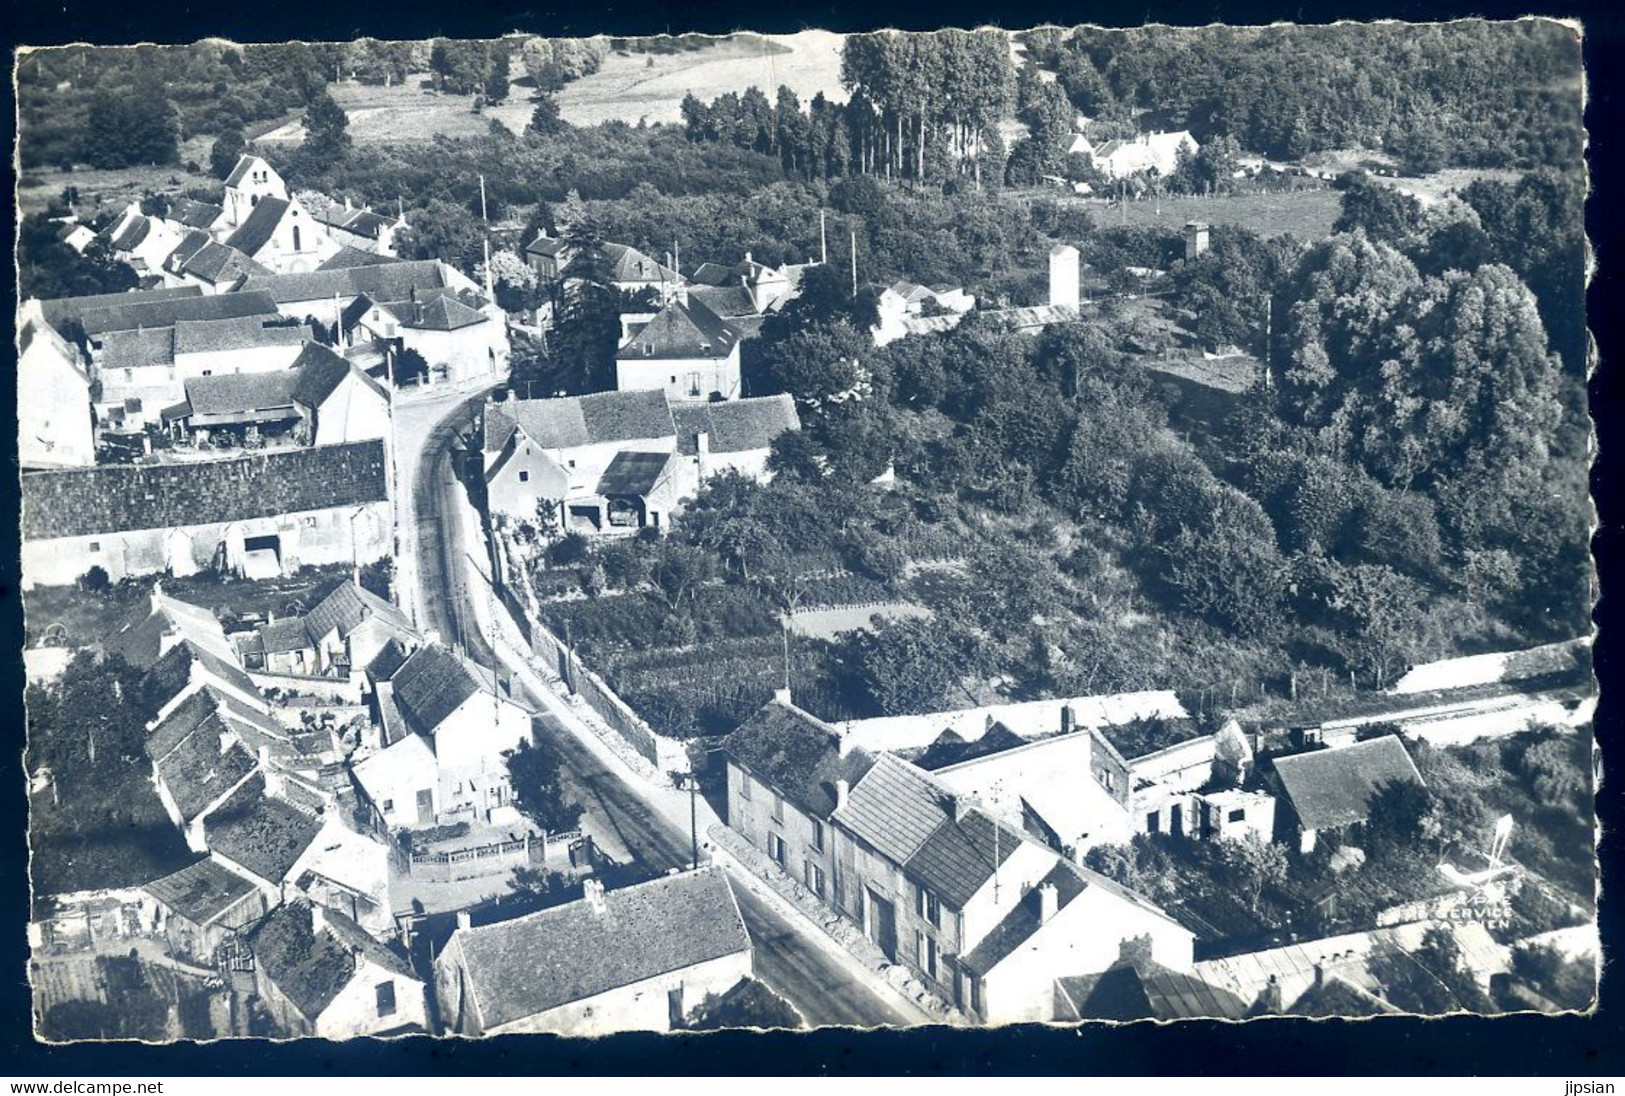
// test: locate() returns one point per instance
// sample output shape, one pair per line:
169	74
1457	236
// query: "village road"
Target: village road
821	990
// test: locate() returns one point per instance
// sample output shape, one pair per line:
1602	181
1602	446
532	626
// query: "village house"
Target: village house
74	233
548	256
199	760
976	910
202	906
562	451
319	974
339	637
686	351
213	267
1144	153
346	872
383	309
748	291
1140	989
250	180
786	776
624	268
281	236
260	835
1028	720
258	515
1330	791
638	958
907	308
140	241
444	737
337	402
54	426
187	215
354	226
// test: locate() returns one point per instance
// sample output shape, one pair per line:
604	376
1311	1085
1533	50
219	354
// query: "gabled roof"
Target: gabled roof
189	245
262	834
732	302
390	657
173	672
138	349
220	264
536	963
348	606
321	370
681	331
257	396
283	636
169	311
381	282
443	313
245	163
140	640
619	263
257	228
734	426
202	892
65	310
581	420
193	213
1147	990
347	257
429	686
125	497
546	245
634	474
797	755
204	765
311	968
132	233
1335	787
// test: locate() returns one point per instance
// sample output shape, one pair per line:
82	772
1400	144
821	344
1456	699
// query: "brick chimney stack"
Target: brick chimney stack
1049	902
593	891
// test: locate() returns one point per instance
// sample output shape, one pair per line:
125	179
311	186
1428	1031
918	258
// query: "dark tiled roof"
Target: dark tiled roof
262	396
390	657
171	673
122	498
546	245
193	213
319	370
202	766
135	230
139	640
1148	991
728	301
1022	921
1331	788
64	310
895	808
201	892
429	686
347	606
633	474
138	349
734	426
256	230
619	263
681	331
283	636
443	313
264	835
188	716
950	749
961	855
532	964
190	244
348	257
311	968
381	282
220	264
797	755
581	420
170	311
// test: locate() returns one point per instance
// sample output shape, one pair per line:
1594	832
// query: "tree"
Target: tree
133	126
539	789
1253	863
327	132
1383	212
496	77
49	268
226	150
545	120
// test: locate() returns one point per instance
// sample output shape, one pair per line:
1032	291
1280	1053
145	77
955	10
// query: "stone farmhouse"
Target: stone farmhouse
686	350
54	427
1331	791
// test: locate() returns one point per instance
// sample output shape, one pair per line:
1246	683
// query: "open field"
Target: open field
411	111
1306	214
630	87
116	186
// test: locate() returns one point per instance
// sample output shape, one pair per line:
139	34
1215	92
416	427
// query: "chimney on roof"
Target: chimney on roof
157	594
1069	721
843	788
318	918
1320	972
780	696
593	891
959	806
1049	902
702	449
465	920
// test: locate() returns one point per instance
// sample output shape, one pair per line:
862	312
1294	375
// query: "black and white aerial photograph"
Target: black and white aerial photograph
584	535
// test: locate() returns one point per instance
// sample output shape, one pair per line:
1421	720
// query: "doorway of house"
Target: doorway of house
883	925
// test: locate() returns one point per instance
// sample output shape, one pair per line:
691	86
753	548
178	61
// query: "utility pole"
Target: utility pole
855	263
823	241
694	818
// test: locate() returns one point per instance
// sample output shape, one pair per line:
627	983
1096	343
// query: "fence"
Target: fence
479	860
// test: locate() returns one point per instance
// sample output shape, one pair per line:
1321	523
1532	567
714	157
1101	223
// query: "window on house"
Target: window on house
1153	822
1108	780
386	998
744	787
927	906
815	878
927	953
778	808
524	476
296	237
389	805
572	464
818	835
1237	814
775	848
976	995
95	546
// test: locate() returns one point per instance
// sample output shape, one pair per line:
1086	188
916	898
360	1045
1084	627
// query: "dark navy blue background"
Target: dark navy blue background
1553	1047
